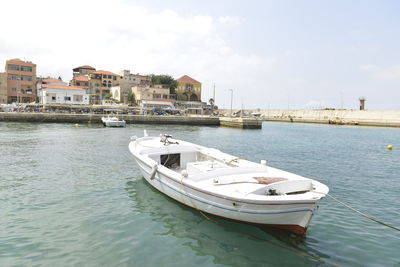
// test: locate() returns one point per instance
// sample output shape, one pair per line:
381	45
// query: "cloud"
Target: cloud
296	80
382	73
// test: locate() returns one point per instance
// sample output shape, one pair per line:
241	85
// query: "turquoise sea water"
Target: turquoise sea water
73	196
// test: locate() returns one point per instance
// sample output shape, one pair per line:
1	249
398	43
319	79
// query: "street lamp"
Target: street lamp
231	99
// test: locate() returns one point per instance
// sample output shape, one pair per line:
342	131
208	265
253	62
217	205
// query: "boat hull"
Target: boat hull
113	123
293	217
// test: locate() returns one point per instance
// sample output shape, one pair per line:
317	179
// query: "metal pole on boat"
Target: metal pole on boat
231	99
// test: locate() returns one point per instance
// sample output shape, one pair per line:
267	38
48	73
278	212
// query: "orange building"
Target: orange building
21	81
188	89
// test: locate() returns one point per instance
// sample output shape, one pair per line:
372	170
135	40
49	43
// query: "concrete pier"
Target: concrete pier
382	118
96	118
243	123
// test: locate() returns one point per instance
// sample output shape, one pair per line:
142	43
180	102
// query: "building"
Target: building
3	88
53	91
100	83
97	83
130	79
127	81
81	81
153	97
188	89
82	70
21	81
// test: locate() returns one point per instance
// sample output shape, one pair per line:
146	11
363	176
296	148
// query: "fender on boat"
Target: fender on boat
153	172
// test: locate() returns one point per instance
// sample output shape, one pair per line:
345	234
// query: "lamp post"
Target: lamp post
231	99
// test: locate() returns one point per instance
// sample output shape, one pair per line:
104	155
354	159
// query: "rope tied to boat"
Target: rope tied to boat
359	212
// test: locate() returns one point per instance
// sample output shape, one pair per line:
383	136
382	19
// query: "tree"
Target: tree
108	96
131	98
212	102
166	81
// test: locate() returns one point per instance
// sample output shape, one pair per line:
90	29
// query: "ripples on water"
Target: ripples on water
74	196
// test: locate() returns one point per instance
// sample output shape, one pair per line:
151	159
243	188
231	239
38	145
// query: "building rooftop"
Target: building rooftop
104	72
17	60
85	67
64	87
81	78
187	79
50	80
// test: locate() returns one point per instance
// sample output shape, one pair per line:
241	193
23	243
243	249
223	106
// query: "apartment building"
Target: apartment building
100	83
21	81
97	83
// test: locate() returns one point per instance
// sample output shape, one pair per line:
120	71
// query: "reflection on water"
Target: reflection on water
230	243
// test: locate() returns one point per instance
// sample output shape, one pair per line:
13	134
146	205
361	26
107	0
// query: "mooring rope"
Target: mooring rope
361	213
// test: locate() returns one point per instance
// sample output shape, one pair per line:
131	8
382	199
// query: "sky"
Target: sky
273	54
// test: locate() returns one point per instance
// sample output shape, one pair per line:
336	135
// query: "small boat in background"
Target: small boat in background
226	186
113	121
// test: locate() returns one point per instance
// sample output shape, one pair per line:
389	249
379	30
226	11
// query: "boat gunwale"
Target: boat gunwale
306	202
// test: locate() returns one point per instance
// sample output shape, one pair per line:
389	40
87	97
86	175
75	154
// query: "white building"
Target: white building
52	91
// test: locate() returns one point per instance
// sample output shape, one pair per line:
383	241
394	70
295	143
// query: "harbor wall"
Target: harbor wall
385	118
96	118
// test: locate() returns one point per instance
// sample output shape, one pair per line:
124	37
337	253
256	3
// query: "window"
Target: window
114	78
28	69
78	83
104	76
53	98
109	77
189	87
13	67
26	78
109	83
86	84
67	98
78	98
13	89
13	77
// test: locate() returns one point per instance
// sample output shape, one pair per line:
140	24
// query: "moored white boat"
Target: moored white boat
226	186
113	122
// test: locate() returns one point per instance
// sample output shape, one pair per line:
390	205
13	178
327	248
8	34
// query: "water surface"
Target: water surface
74	196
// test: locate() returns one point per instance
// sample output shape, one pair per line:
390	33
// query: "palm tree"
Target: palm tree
211	101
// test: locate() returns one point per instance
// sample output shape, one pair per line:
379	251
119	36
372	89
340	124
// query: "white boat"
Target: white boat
227	186
113	121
